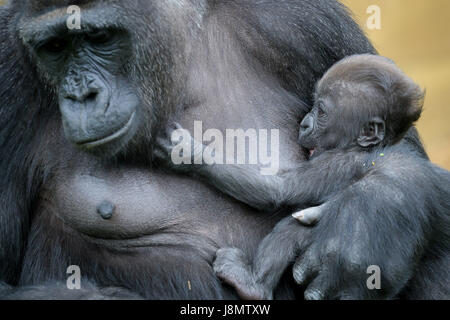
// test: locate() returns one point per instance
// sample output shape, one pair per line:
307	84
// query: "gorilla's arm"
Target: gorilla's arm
17	175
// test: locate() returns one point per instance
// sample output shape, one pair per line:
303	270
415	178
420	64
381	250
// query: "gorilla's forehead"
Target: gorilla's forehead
38	7
44	17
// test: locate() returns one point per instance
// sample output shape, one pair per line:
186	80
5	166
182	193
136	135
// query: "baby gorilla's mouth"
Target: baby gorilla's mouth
309	152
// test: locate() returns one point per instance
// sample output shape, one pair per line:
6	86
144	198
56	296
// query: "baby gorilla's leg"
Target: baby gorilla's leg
231	267
275	253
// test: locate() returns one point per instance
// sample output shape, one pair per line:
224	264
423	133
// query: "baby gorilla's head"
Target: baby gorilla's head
361	102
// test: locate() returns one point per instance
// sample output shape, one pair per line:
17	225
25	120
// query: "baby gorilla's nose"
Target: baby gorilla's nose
306	125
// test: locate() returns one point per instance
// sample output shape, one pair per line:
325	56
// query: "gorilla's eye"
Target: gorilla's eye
99	37
320	112
54	45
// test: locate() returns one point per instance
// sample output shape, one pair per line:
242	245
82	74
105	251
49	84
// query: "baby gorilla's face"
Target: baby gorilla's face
339	123
320	130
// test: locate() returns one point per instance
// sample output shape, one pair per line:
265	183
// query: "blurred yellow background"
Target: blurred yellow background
416	35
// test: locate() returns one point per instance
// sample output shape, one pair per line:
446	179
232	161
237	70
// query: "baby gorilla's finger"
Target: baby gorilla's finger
171	127
309	216
317	290
304	269
322	286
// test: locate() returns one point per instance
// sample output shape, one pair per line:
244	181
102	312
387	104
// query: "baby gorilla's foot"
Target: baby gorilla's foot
231	267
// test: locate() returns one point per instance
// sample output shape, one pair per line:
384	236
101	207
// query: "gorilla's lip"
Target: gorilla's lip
309	152
116	135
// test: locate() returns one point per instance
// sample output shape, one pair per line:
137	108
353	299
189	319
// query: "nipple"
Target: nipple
106	209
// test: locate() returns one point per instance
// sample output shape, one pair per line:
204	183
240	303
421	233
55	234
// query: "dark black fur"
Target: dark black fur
285	46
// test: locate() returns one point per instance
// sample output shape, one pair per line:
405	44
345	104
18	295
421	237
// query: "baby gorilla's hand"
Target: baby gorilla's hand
176	149
232	268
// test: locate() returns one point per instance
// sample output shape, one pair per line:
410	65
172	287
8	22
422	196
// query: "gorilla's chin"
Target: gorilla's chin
112	144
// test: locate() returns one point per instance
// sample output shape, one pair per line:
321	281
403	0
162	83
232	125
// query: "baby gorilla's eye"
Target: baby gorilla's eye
320	112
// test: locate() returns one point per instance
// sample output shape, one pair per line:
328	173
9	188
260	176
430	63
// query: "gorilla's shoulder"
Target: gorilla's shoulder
326	25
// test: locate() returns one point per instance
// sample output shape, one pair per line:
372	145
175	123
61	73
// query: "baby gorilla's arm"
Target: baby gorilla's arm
311	182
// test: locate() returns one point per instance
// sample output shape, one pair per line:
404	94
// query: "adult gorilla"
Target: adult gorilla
109	88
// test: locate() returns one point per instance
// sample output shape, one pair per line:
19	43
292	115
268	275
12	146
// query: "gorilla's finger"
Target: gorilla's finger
162	144
308	216
303	270
177	125
171	127
314	294
159	154
311	215
318	288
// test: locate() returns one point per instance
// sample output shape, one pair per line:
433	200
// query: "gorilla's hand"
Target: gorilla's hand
177	149
350	237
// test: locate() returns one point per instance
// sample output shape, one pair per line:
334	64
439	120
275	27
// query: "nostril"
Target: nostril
77	97
304	127
91	96
71	98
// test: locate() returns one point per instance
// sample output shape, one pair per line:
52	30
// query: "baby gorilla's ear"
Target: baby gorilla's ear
372	133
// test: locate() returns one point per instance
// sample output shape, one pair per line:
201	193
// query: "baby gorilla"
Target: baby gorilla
363	106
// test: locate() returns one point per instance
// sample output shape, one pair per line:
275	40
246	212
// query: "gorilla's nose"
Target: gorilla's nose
83	96
306	126
84	92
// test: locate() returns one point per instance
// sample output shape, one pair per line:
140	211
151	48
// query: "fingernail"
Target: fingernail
298	215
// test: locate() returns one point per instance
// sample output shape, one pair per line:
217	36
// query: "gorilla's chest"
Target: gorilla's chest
133	204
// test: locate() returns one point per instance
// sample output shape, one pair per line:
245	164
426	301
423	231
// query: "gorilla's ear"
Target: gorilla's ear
372	133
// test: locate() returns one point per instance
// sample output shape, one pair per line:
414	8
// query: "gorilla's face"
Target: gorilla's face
321	129
86	68
341	120
109	75
98	104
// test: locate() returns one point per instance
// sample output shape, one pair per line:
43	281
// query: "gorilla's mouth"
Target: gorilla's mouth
115	136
